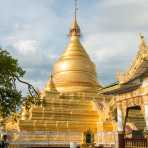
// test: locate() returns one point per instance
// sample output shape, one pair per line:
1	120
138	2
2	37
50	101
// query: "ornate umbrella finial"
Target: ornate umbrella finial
142	41
141	35
76	8
75	29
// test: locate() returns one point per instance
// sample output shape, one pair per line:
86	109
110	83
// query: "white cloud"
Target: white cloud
26	46
122	2
104	47
35	33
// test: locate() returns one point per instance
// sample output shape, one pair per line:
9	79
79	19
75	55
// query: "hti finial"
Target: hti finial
76	8
75	30
142	41
51	76
141	35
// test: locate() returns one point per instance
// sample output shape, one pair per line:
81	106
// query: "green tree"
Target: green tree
10	97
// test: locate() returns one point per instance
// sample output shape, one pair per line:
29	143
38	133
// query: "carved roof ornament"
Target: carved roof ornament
142	42
137	67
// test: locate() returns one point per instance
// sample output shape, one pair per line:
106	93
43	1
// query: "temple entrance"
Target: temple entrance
88	137
134	122
134	128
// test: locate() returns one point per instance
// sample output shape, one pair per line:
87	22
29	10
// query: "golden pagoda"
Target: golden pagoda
72	103
74	71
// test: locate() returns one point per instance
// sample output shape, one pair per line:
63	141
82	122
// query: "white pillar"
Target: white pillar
119	120
146	115
120	136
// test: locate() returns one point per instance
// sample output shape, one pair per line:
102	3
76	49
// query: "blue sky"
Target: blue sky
35	32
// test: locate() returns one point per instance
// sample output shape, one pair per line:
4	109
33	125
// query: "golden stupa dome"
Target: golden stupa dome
74	71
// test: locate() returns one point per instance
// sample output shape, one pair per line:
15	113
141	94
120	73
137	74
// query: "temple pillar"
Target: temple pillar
146	117
119	119
145	106
120	128
146	113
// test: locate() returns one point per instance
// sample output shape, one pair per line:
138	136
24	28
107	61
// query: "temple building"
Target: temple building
129	98
73	105
78	110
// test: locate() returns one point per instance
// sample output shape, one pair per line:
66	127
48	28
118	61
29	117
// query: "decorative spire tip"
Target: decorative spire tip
76	8
51	76
141	35
75	30
142	41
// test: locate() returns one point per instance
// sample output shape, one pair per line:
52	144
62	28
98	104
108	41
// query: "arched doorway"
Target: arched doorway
134	122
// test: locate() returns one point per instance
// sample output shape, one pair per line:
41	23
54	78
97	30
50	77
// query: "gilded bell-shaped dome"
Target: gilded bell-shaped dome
74	71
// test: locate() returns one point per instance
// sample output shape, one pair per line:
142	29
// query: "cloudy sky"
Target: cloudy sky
35	32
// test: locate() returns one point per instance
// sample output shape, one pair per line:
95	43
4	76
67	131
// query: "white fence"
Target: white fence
106	138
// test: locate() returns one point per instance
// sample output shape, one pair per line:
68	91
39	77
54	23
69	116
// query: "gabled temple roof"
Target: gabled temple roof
139	65
117	88
128	80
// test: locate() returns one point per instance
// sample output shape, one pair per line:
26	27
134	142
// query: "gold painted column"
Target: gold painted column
145	102
146	115
146	111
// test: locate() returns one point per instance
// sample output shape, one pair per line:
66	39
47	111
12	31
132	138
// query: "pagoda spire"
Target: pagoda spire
75	29
76	9
51	84
50	87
